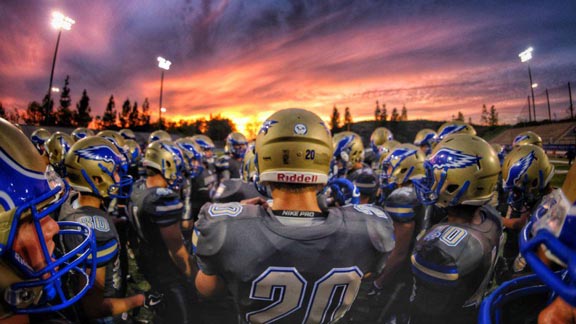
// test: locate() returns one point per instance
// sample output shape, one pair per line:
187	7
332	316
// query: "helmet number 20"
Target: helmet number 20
328	300
310	154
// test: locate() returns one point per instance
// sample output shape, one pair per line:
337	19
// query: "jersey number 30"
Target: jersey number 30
330	298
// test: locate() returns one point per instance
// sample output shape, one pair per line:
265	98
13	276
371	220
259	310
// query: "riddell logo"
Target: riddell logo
296	178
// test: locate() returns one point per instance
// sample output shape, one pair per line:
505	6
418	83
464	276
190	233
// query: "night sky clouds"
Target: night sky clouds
246	58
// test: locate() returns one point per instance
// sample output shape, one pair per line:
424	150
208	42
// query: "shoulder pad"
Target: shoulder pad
400	204
222	162
445	253
164	204
491	213
378	224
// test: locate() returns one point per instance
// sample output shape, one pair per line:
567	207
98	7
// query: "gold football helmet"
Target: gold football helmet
385	149
379	136
236	144
426	139
167	158
528	137
134	151
454	127
127	134
95	165
293	146
159	135
192	155
403	164
207	146
116	139
249	164
81	132
30	273
462	169
57	146
348	150
526	172
38	138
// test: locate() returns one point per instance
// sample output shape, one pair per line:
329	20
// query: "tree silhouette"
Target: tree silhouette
493	120
48	117
377	112
485	116
394	116
82	114
218	128
124	115
347	118
404	114
2	111
109	117
145	116
34	114
384	115
64	114
134	119
460	116
335	120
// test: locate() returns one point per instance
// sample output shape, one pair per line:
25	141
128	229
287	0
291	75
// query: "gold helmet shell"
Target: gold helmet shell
380	136
236	144
39	137
134	151
249	164
404	163
127	133
527	169
293	146
81	132
462	169
454	127
528	137
207	146
57	146
385	149
167	158
159	135
92	165
115	138
348	147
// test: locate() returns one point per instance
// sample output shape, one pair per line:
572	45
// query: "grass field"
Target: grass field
561	168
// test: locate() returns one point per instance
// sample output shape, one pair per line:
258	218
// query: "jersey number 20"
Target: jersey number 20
330	298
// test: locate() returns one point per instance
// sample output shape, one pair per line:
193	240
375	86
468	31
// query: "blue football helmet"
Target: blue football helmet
454	127
29	193
192	156
207	146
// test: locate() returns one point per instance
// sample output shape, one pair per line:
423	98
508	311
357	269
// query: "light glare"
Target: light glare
163	63
59	21
526	55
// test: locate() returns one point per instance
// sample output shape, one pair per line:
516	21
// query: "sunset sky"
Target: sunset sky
245	59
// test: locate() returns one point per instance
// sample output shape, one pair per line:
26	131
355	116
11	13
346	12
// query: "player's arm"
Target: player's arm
95	305
209	285
403	234
172	237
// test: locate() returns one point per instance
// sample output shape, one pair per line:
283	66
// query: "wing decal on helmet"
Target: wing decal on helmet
99	153
400	154
343	144
447	158
519	168
451	129
175	151
267	124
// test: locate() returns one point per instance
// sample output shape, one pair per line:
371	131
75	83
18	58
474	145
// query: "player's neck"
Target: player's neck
89	201
156	181
285	200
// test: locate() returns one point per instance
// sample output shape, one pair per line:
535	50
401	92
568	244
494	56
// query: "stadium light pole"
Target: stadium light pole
164	65
60	22
526	56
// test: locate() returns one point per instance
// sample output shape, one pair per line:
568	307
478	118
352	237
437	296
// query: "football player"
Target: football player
348	156
156	213
32	273
204	185
526	175
379	137
292	262
94	166
38	138
547	244
404	164
236	190
228	165
453	262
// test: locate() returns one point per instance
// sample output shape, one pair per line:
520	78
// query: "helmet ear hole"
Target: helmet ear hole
452	188
97	179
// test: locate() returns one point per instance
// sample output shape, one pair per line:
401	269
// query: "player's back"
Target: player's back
292	273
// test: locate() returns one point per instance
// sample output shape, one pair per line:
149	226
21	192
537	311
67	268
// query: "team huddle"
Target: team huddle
299	226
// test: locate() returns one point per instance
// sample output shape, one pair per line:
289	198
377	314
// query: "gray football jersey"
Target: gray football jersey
276	272
235	190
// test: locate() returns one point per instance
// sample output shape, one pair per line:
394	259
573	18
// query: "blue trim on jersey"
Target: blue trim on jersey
106	252
436	267
429	278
